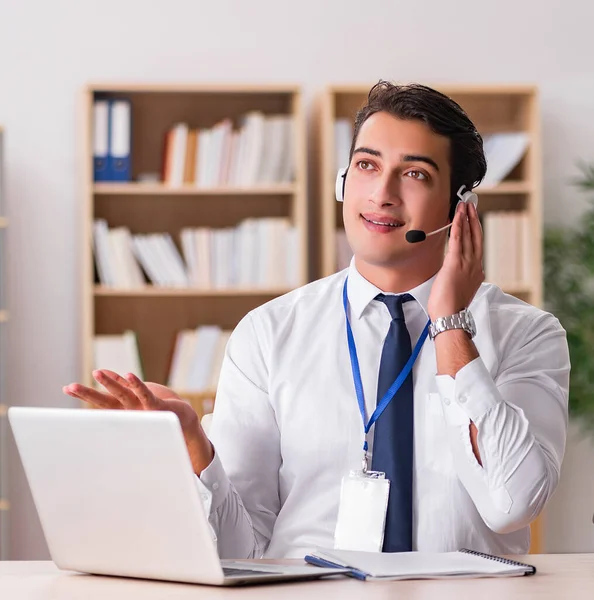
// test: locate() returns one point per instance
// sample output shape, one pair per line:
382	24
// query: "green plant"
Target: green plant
569	295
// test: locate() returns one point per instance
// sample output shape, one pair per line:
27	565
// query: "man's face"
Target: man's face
399	176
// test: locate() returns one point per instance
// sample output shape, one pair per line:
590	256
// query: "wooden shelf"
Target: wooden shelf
150	290
196	395
462	89
506	187
201	402
161	189
194	88
516	289
4	427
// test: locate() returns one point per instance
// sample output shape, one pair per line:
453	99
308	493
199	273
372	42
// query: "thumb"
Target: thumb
161	392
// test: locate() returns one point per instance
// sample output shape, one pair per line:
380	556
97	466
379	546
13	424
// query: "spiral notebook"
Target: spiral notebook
419	565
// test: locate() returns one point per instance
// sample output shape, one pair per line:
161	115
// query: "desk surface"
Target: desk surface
558	576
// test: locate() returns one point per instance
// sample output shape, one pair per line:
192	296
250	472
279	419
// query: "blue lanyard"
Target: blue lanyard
381	406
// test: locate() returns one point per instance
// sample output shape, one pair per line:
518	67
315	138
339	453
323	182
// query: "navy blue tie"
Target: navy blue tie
393	436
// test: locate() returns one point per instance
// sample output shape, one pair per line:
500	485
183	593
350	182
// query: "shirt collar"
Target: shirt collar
361	292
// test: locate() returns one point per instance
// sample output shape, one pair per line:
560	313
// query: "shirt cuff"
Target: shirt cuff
473	390
215	480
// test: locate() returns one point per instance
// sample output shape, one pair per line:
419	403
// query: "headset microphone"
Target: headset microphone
417	235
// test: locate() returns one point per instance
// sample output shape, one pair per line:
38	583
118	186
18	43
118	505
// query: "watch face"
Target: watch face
471	323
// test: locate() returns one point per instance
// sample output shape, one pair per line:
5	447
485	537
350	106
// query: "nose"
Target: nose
386	192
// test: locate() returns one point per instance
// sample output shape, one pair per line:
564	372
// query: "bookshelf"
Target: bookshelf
493	109
156	189
152	291
4	316
157	313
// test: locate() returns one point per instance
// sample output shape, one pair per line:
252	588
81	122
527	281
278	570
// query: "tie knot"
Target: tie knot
394	304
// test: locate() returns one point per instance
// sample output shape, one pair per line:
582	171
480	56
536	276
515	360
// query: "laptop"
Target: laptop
116	495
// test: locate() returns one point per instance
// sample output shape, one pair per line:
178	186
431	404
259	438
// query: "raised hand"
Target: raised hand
462	272
130	393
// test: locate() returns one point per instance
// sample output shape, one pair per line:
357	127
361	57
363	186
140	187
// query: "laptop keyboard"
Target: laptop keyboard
231	572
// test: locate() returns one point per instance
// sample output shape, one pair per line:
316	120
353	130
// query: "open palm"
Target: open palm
130	393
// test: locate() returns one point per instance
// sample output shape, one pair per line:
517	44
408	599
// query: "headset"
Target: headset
340	181
413	235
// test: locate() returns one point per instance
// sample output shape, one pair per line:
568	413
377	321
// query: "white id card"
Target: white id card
362	512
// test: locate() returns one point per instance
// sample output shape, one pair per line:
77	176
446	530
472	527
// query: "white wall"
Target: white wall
570	512
48	50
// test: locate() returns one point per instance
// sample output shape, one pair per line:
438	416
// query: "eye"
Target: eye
364	165
419	175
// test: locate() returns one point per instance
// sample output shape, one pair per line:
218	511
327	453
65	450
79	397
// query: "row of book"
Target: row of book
257	253
503	150
258	152
507	256
195	363
508	248
197	358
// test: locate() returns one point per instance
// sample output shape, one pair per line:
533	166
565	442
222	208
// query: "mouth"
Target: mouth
387	222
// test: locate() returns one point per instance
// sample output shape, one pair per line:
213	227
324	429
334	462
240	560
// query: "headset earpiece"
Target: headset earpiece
468	197
340	181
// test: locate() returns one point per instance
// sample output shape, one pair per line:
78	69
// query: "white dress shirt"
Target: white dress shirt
287	427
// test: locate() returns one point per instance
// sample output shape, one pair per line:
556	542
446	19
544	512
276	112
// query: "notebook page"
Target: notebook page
411	564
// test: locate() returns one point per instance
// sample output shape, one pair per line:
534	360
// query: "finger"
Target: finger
121	392
116	377
477	232
455	243
91	396
146	397
467	249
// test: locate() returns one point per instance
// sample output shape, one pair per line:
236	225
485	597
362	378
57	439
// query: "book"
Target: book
380	566
197	358
118	352
343	136
503	152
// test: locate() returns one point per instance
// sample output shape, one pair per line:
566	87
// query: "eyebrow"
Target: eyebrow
420	158
365	150
405	158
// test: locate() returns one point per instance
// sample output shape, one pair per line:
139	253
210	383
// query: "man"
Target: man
473	439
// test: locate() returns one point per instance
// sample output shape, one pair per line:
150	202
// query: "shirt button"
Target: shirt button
215	486
463	399
446	401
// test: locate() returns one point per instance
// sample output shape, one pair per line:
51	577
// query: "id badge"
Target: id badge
362	511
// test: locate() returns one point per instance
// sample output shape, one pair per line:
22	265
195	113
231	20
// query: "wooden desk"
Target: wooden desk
559	576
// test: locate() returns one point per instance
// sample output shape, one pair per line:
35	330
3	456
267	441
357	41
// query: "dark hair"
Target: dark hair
443	116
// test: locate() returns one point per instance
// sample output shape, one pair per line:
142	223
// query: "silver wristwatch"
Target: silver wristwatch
461	320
